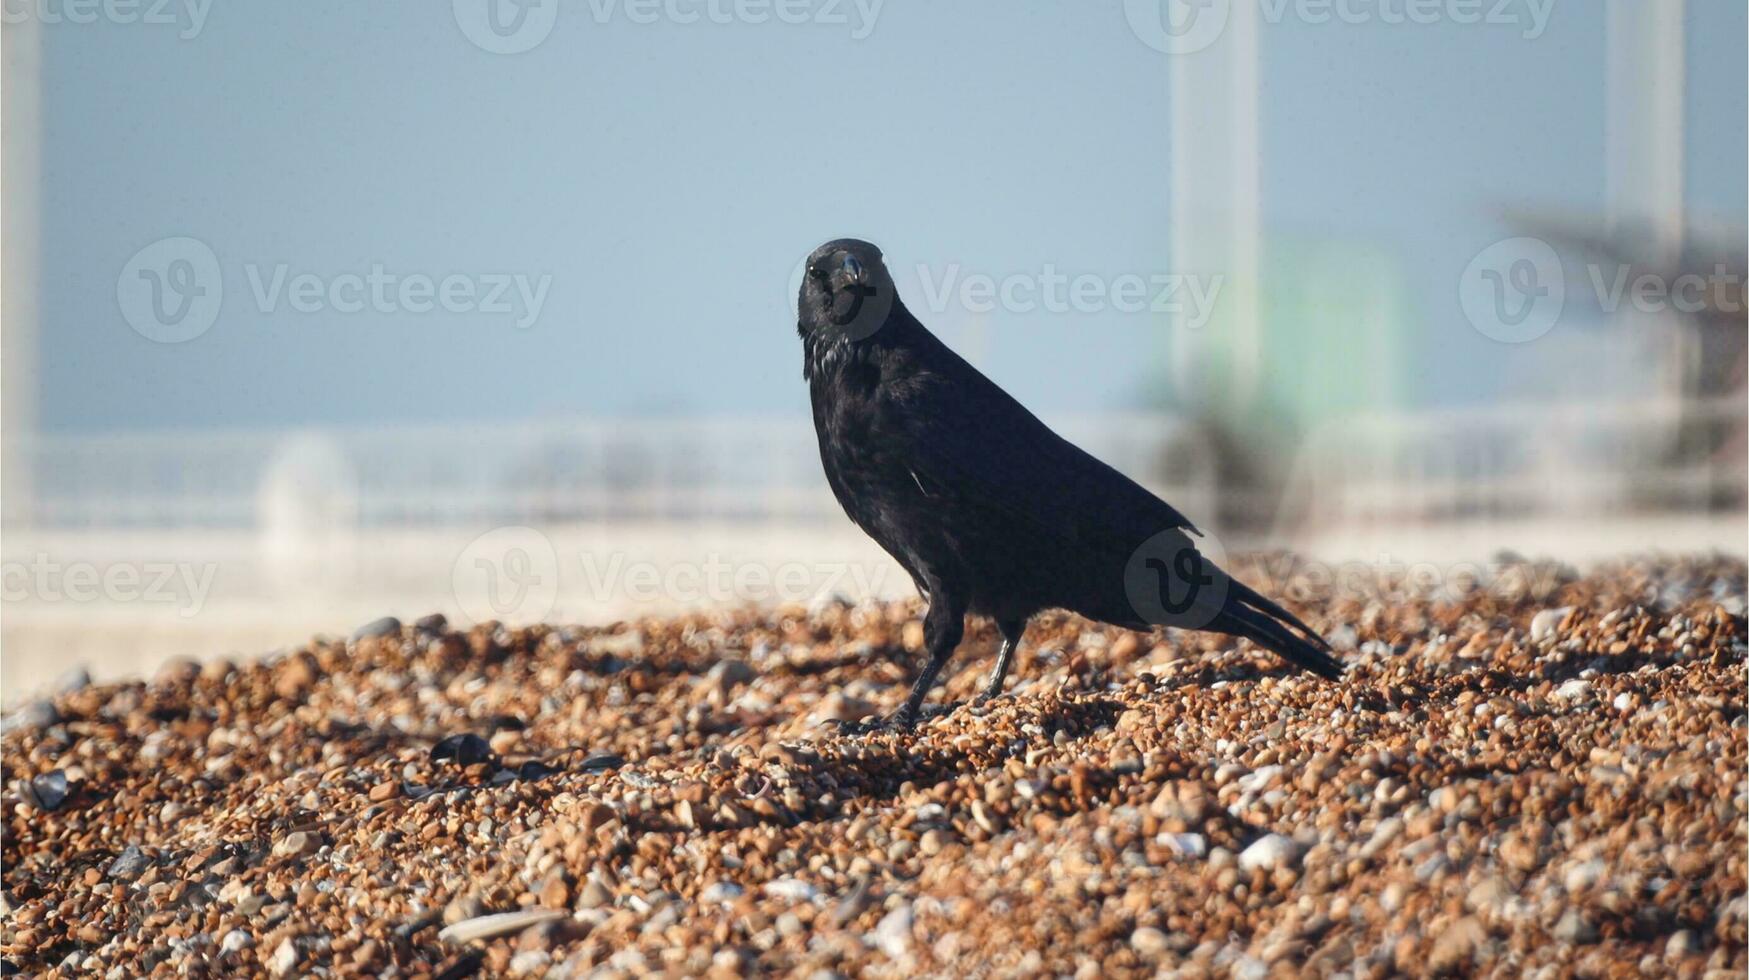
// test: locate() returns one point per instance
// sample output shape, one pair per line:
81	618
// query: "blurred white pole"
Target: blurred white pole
20	146
1214	202
1643	126
1643	147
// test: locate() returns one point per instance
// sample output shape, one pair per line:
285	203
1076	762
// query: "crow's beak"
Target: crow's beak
854	272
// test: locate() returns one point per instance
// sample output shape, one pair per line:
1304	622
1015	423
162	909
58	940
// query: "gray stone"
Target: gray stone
128	865
386	626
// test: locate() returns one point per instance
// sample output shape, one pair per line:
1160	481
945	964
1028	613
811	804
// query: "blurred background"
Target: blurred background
316	313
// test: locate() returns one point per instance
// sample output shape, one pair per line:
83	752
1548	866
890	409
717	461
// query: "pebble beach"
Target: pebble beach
1538	772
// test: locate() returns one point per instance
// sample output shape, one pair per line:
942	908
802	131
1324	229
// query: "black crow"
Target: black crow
988	510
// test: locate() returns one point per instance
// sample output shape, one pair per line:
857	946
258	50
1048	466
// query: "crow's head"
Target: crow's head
846	292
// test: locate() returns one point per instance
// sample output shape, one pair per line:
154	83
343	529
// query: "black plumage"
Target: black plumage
990	511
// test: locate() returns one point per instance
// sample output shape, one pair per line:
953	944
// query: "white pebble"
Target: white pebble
1580	877
1185	845
1148	941
721	891
893	934
793	889
498	924
285	959
1545	624
1573	689
1268	852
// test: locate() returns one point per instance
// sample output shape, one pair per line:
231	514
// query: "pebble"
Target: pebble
499	924
284	961
297	844
386	626
601	762
176	672
32	715
593	896
555	892
1573	690
128	865
1149	941
48	791
893	934
721	892
72	681
1269	852
1574	927
431	623
726	675
1186	845
791	889
462	909
1387	831
1582	876
1456	946
1544	625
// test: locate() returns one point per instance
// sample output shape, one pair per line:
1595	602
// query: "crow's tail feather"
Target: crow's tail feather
1251	597
1238	618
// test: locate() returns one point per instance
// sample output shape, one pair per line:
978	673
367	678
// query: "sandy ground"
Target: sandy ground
263	595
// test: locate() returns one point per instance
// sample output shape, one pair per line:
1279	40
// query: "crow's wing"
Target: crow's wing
966	438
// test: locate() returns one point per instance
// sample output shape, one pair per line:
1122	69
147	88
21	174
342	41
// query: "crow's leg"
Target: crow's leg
943	626
1012	630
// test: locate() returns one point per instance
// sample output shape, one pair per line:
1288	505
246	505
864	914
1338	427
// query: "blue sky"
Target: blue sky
668	176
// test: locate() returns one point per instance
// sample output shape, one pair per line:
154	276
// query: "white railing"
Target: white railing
738	469
1528	460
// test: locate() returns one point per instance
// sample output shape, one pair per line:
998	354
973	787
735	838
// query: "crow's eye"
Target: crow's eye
815	272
